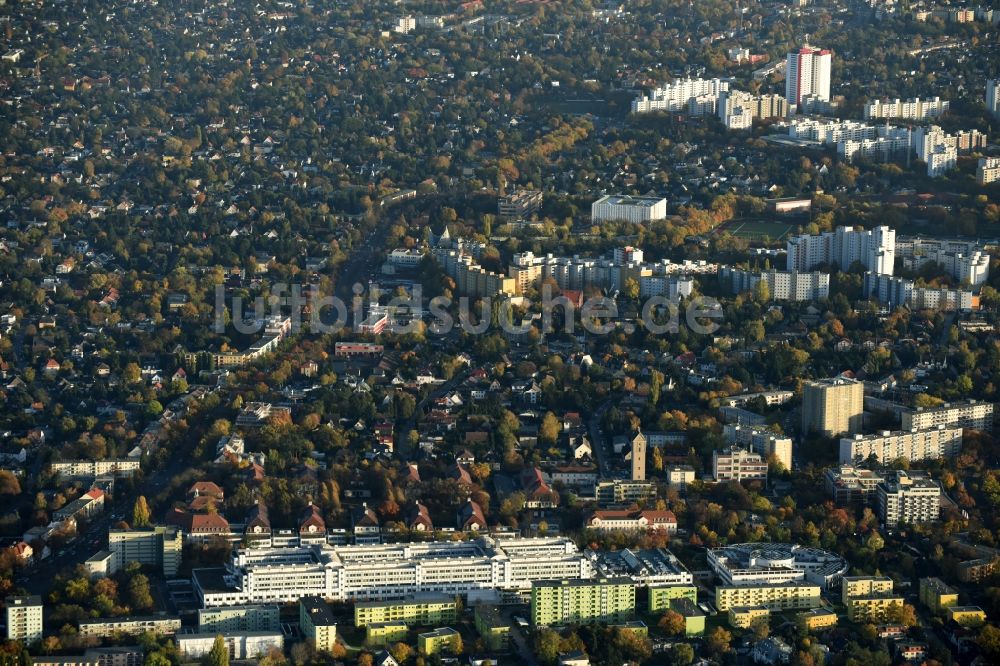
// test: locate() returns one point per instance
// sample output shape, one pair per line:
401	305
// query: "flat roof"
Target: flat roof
419	598
581	582
318	610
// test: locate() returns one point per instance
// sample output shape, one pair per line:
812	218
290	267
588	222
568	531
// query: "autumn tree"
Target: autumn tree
218	655
140	512
672	623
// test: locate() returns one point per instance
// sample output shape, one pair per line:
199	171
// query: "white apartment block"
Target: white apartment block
614	207
907	499
891	142
23	619
405	24
887	446
388	571
737	109
808	75
988	170
405	258
993	97
971	414
829	130
911	109
782	285
762	441
895	292
737	464
968	268
677	96
86	468
940	160
771	398
249	645
874	248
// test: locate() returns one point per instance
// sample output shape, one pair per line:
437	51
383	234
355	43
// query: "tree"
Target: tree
9	485
875	542
549	431
547	646
631	289
762	291
218	655
365	659
672	623
681	654
132	373
717	642
140	512
138	592
989	643
401	652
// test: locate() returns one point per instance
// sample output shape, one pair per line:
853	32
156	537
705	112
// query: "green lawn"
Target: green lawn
761	230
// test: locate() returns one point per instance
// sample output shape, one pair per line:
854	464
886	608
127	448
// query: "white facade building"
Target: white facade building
388	571
993	97
911	109
679	95
988	170
737	464
915	445
808	75
248	645
874	248
908	498
762	441
632	209
782	285
746	564
971	414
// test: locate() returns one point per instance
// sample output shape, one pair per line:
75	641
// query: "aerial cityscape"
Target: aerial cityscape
499	332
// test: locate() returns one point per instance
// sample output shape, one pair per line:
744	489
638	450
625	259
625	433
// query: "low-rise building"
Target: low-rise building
735	464
817	618
384	633
852	486
775	596
239	619
106	627
747	617
444	640
248	645
967	616
418	610
614	520
660	596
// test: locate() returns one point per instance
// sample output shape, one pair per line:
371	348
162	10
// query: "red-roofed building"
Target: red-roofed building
418	518
537	493
471	518
458	473
626	520
205	488
198	526
311	521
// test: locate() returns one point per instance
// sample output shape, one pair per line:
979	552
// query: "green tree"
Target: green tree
140	512
218	655
549	430
681	654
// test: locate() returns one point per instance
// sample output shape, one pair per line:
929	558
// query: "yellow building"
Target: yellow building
868	598
660	597
746	617
967	616
445	639
419	610
872	608
317	622
818	618
383	633
937	595
864	586
776	596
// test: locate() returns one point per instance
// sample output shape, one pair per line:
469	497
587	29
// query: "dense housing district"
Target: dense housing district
553	333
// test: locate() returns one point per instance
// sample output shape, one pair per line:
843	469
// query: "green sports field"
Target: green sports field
761	231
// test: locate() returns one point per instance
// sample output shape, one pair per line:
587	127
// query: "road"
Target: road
598	441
